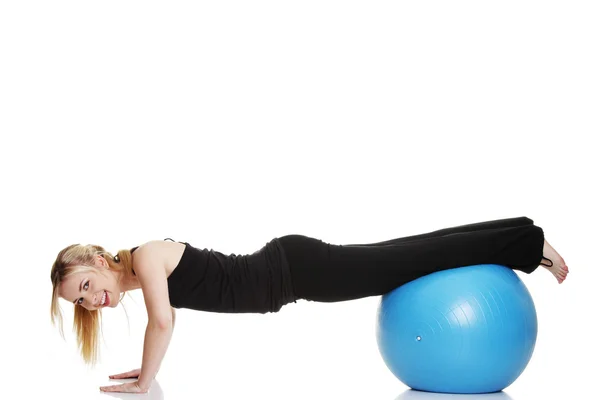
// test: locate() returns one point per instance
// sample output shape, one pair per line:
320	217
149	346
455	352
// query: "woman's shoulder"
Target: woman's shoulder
153	246
167	253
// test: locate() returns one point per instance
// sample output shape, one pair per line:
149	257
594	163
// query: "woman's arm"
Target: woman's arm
156	342
151	273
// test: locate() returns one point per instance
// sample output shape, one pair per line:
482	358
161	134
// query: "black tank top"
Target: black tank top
207	280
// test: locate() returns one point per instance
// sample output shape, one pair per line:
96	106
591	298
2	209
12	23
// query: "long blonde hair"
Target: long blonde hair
86	323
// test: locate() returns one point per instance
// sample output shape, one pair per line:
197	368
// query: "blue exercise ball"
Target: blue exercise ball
463	330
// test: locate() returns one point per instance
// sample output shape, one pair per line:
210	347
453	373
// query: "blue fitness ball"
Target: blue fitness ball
463	330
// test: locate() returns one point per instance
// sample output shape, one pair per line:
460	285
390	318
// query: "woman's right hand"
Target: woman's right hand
134	373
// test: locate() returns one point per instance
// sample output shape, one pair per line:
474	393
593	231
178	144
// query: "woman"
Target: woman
177	275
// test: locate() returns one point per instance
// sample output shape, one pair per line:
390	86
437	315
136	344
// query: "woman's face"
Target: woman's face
87	289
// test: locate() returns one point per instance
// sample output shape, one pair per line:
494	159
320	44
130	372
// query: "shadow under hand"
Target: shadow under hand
412	394
154	393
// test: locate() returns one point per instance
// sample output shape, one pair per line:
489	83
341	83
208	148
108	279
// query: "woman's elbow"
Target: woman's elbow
161	323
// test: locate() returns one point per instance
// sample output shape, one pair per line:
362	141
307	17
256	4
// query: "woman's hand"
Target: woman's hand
134	373
129	387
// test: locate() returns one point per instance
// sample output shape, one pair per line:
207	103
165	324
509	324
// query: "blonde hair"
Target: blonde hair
86	323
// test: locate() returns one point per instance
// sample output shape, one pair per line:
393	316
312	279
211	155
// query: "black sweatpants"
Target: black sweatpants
330	272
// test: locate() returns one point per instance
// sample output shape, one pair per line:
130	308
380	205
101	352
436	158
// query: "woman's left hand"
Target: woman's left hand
129	387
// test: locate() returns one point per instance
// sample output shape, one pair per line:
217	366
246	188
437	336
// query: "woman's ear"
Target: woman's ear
101	262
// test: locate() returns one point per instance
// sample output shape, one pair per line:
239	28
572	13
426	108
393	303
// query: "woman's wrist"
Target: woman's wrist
143	384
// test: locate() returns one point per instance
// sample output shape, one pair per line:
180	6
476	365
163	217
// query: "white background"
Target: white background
229	123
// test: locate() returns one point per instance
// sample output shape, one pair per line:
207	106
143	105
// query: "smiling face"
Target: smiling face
88	289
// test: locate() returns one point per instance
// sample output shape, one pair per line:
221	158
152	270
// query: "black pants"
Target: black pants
329	272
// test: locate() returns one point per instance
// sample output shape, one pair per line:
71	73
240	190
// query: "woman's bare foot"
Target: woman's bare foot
558	268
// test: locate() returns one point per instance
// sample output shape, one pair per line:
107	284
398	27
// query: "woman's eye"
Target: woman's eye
85	287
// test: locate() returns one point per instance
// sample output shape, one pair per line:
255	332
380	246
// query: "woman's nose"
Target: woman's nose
91	300
96	299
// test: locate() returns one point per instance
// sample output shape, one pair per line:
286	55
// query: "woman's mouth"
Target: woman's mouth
105	300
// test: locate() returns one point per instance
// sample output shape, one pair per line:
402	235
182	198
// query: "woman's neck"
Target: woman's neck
129	283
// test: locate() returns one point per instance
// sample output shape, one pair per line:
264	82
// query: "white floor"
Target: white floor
316	351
